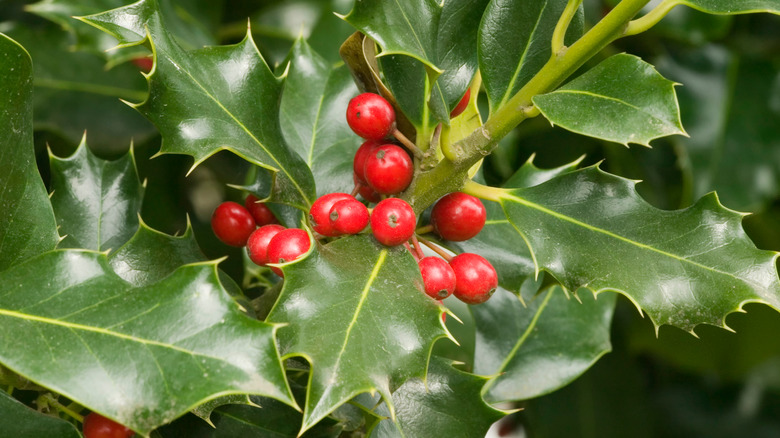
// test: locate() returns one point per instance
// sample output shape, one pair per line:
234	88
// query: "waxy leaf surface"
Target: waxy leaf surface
313	117
142	356
441	36
212	99
536	348
514	43
356	312
683	268
20	421
448	404
27	224
623	99
96	202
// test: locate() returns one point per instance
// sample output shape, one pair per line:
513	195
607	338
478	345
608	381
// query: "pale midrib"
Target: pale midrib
411	29
565	218
86	328
509	91
521	340
249	133
314	130
614	99
363	295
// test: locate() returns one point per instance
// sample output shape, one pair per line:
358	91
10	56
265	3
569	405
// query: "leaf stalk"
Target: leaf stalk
559	34
650	19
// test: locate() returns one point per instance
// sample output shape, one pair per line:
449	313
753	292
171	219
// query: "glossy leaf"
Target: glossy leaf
683	268
441	36
142	356
213	99
20	421
731	7
356	312
536	348
27	224
96	202
623	99
313	117
726	110
449	403
514	43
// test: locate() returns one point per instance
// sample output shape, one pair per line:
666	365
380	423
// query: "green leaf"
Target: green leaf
732	7
27	224
536	348
447	404
312	115
96	202
19	421
142	356
514	43
441	36
623	99
213	99
356	312
726	109
686	267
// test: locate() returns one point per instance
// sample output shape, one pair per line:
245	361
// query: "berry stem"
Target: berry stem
413	253
356	190
436	249
417	247
424	229
408	144
50	400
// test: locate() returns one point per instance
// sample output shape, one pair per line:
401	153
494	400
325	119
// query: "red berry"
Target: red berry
144	63
438	277
389	170
262	214
232	223
364	151
257	244
370	116
98	426
366	191
476	279
319	213
286	246
393	221
458	216
461	106
348	216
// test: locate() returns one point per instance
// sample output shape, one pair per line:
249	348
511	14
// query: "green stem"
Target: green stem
450	174
10	389
480	191
53	402
558	44
651	18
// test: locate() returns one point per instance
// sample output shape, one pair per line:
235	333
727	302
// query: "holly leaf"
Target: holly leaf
441	36
733	7
536	348
27	224
19	421
448	403
514	43
356	312
683	268
212	99
96	202
312	116
623	99
133	353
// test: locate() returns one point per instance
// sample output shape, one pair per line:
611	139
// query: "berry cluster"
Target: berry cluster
271	243
381	169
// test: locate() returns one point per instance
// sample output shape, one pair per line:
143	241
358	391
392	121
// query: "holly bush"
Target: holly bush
125	125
